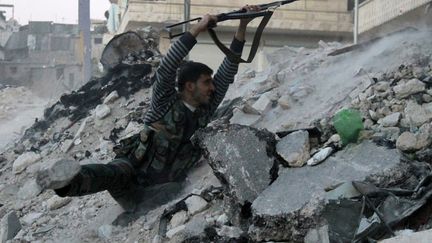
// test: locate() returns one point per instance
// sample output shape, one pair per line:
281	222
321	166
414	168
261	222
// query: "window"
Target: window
59	73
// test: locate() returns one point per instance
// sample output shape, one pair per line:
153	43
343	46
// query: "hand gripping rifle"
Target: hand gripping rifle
266	11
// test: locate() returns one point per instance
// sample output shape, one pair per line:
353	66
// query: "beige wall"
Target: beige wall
374	13
306	15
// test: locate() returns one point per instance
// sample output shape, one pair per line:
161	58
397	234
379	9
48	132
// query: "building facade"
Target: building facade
302	23
45	56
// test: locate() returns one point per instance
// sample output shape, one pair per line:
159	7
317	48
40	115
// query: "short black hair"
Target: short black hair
190	72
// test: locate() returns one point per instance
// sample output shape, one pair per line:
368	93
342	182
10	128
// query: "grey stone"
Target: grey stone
177	230
229	232
57	202
31	218
319	235
102	111
405	89
25	160
195	204
294	148
382	86
417	237
241	118
222	219
178	219
241	158
424	136
263	104
406	142
111	97
391	133
29	190
9	226
390	120
105	232
417	114
284	102
320	156
57	174
284	202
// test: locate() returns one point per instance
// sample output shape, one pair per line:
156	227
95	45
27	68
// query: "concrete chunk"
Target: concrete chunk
25	160
240	157
294	148
417	237
406	89
9	226
297	194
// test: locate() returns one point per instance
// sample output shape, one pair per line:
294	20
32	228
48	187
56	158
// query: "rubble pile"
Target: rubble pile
274	167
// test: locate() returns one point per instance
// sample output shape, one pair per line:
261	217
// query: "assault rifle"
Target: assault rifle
265	10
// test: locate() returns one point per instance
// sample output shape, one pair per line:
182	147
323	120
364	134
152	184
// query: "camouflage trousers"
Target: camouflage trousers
118	177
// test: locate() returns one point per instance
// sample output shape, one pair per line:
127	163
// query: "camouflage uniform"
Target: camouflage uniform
162	152
155	156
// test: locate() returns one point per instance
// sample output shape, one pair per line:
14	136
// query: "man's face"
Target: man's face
203	89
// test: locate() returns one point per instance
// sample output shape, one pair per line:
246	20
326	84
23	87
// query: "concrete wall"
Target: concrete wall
374	13
306	15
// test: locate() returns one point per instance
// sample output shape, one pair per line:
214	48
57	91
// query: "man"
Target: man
162	153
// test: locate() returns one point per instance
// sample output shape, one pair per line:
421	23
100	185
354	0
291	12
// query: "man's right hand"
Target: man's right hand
206	22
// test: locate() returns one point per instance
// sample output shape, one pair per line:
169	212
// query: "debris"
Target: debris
30	218
181	217
29	190
320	156
405	89
105	232
111	97
102	111
171	233
57	202
25	160
282	201
418	237
195	204
294	148
9	226
251	149
263	104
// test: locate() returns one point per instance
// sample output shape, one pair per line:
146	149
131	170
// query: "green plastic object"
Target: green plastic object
348	124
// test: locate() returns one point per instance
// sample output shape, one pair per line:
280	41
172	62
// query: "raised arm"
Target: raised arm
228	69
164	91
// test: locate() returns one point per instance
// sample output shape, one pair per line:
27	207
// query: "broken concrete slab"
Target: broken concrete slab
417	237
240	156
294	148
9	226
242	118
284	202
